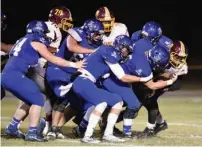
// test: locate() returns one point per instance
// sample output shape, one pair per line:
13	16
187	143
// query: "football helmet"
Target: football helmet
124	45
94	30
152	30
158	57
40	30
106	17
178	54
62	17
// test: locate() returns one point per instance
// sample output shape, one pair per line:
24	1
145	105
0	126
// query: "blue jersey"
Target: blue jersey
23	55
96	64
79	35
138	65
142	46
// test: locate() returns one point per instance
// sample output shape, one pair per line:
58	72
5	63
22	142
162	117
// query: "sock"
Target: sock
93	120
83	125
150	126
111	121
14	124
32	129
159	119
127	125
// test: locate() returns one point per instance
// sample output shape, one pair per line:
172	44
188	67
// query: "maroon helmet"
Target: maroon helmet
106	17
178	54
62	17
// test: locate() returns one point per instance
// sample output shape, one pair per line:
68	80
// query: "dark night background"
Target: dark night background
179	19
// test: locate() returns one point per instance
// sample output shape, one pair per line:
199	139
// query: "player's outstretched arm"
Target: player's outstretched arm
6	47
160	84
120	74
43	51
73	46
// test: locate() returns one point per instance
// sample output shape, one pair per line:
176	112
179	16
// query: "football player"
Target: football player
79	43
59	22
112	29
24	54
178	66
104	60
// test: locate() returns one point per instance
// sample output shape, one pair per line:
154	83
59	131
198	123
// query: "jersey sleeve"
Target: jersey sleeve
110	55
76	33
136	36
54	34
118	29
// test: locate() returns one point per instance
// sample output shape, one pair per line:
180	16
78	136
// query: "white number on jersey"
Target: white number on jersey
18	47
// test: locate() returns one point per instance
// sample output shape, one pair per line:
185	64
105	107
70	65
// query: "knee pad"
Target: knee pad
101	107
118	105
130	113
59	106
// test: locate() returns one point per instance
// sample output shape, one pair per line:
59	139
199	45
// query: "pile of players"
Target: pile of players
96	74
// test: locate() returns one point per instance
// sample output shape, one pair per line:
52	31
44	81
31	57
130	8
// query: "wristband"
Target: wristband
72	64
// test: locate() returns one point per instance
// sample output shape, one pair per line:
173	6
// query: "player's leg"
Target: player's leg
30	94
56	78
131	101
87	90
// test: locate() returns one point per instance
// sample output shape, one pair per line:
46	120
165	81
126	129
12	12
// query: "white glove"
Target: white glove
183	70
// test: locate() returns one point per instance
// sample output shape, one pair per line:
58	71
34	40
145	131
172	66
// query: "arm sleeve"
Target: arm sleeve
116	69
75	34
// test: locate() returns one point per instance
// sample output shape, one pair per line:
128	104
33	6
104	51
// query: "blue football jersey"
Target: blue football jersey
138	65
79	35
96	64
23	55
142	46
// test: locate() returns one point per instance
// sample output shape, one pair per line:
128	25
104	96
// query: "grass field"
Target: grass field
182	111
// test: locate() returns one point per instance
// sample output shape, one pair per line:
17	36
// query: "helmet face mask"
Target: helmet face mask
62	17
178	55
97	36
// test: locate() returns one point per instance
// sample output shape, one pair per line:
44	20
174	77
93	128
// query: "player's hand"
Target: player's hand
81	64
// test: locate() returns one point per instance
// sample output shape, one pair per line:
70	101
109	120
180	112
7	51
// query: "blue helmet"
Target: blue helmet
124	45
165	42
3	22
39	29
152	30
94	30
158	57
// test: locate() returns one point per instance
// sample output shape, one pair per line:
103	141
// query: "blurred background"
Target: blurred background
179	20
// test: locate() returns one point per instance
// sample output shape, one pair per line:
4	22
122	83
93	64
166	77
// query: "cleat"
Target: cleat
51	136
127	135
90	140
41	126
160	127
117	131
112	138
34	137
14	133
59	134
147	133
77	133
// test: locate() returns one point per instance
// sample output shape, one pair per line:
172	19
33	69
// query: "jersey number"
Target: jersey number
58	12
18	47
